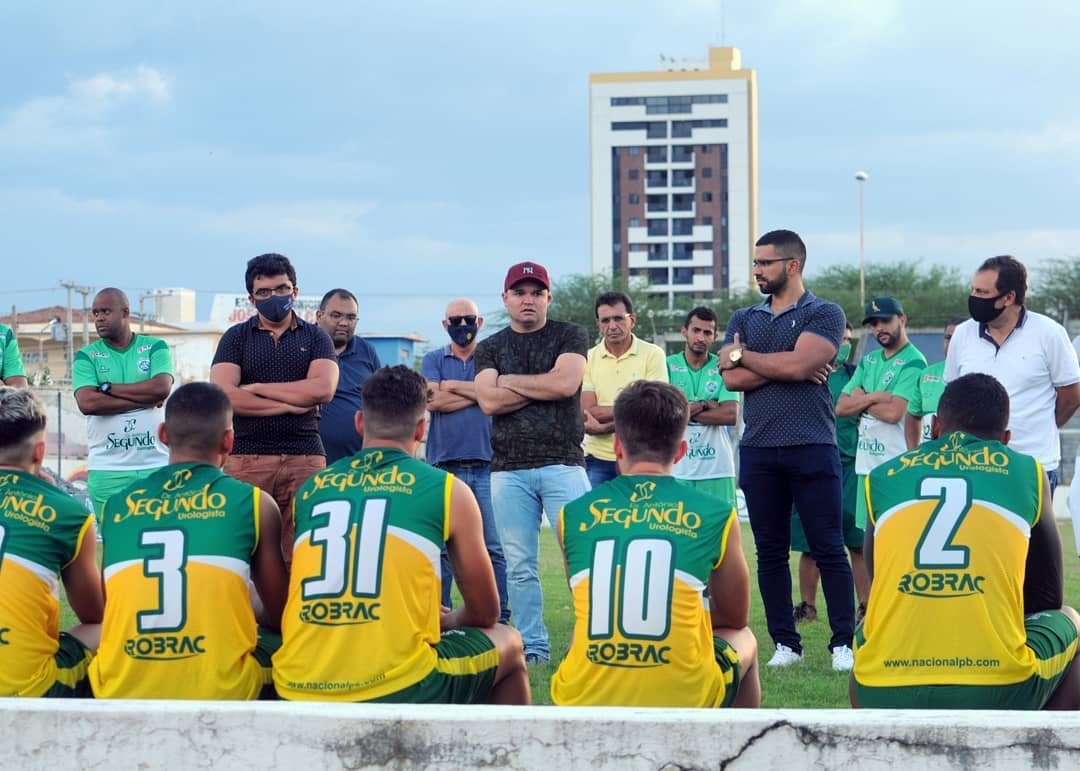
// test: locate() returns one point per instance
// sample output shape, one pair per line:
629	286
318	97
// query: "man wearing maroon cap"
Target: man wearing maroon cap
528	378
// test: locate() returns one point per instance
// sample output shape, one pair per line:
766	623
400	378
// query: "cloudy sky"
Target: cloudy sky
410	151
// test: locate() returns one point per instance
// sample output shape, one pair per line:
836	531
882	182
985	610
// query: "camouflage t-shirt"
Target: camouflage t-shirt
542	433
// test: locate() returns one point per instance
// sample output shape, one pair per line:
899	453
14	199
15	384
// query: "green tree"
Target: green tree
930	296
1055	290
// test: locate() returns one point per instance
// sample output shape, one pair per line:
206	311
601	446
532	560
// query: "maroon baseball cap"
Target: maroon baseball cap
527	271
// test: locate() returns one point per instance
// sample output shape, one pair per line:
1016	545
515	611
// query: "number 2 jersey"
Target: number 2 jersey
639	551
952	519
363	610
178	617
41	531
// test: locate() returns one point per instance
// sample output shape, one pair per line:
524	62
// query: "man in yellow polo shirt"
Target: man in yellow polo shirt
617	360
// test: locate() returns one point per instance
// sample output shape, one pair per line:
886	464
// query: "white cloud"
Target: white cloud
78	116
311	219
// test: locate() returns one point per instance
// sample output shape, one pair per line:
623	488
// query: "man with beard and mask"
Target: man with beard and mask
121	381
276	370
1027	352
357	360
879	392
619	359
779	353
709	463
459	437
924	401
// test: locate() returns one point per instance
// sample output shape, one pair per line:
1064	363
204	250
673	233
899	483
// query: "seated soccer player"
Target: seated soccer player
180	548
45	536
640	551
363	621
965	559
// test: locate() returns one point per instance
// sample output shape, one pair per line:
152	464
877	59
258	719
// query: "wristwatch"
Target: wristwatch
735	356
105	388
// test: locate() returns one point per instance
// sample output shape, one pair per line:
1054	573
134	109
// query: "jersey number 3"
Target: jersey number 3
365	567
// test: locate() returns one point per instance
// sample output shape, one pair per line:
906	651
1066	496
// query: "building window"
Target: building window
632	150
658	275
633	174
683	226
682	251
635	198
682	178
706	149
656	154
706	171
657	227
682	153
656	130
656	179
682	202
706	220
683	276
656	203
706	197
658	251
634	222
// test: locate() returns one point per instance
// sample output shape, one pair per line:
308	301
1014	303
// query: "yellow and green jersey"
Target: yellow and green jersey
363	610
177	561
952	519
639	552
41	531
924	400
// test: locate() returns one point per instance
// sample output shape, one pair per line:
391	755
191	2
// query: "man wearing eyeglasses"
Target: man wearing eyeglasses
459	436
277	370
357	359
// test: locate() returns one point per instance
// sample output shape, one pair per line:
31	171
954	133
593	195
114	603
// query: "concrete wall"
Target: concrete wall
120	735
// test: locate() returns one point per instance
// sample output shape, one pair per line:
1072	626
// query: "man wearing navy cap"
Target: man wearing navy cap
528	378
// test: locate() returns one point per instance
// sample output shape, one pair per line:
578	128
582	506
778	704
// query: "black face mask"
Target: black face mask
982	308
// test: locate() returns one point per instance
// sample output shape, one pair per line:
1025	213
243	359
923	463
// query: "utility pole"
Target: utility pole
85	292
71	286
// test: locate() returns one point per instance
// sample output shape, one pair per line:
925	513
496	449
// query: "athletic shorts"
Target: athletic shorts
102	485
721	487
464	672
854	536
72	664
265	647
1050	634
728	659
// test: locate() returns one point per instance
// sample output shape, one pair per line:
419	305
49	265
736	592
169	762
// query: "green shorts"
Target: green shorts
728	659
102	485
1050	634
265	647
464	672
72	664
721	487
854	536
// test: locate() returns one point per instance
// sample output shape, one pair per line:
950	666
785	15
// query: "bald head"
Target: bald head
462	306
112	294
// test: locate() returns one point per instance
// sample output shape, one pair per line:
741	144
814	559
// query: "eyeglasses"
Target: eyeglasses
456	320
280	291
767	263
338	316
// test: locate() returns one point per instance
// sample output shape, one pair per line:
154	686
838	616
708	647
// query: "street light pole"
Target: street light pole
861	177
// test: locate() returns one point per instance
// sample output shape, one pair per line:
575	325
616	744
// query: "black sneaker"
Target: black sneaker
804	612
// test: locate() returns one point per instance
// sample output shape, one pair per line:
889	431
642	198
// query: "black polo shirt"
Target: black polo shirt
786	414
263	360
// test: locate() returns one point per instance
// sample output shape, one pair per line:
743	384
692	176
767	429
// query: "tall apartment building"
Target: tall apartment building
674	174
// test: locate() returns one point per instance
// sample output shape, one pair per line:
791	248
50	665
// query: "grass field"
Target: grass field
812	683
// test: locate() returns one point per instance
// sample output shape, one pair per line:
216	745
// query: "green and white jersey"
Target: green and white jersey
898	375
128	441
709	454
10	359
925	401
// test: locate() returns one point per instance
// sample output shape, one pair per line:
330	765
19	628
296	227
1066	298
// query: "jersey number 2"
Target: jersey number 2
936	548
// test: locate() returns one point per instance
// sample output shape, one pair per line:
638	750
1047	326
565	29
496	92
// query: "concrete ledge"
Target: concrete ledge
43	734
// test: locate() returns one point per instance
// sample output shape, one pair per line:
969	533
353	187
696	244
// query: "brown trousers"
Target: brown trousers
280	476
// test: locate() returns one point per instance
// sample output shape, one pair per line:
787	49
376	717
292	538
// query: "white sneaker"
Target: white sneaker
843	659
784	657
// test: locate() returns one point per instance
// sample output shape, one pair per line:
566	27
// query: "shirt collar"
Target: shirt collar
296	322
631	351
766	304
984	329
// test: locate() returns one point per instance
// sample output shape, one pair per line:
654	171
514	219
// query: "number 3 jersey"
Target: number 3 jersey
639	551
41	532
951	520
178	617
363	610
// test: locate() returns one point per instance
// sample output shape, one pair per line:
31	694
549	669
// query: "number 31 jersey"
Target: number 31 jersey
640	550
363	611
178	618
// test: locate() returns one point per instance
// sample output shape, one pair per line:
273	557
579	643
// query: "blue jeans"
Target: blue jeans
600	471
478	478
772	479
519	497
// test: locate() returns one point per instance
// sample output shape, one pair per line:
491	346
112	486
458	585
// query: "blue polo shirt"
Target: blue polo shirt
464	434
787	414
337	425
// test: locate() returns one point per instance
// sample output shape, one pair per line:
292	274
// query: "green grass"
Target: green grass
810	684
